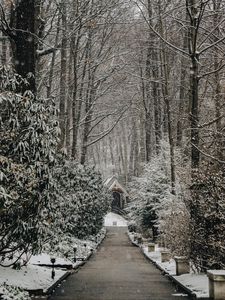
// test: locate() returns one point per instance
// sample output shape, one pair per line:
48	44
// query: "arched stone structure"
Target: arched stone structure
119	194
118	200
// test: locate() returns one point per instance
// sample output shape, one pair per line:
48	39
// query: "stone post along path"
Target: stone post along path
118	271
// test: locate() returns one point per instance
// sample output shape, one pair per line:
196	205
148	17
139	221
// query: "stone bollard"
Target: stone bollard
139	240
151	247
160	243
135	237
182	265
144	241
165	255
216	284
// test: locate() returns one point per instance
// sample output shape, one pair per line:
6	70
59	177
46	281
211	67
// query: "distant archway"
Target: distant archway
118	199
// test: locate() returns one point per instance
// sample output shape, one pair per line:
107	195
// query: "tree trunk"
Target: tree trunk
24	42
124	141
149	102
142	119
133	142
142	139
182	94
165	76
121	154
156	99
148	136
4	51
194	117
219	97
69	103
77	97
51	73
63	77
170	130
85	136
90	96
194	83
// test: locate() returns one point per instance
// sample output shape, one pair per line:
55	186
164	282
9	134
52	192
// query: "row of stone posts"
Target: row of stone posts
216	277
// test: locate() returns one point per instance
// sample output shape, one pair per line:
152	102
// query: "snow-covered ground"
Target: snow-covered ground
30	277
169	267
45	259
13	293
196	283
112	219
36	277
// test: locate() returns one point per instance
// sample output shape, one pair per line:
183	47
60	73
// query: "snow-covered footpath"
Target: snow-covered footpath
196	284
36	276
112	219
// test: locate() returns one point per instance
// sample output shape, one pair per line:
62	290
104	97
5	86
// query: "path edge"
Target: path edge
165	273
46	293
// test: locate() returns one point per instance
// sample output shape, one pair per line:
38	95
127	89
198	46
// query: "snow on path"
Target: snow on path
112	219
197	283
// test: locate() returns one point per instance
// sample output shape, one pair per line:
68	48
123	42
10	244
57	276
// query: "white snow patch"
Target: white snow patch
35	277
169	267
196	283
30	277
112	219
13	293
45	259
217	272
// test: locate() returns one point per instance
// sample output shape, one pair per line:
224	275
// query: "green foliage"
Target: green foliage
207	211
82	201
43	196
13	293
148	216
152	194
28	134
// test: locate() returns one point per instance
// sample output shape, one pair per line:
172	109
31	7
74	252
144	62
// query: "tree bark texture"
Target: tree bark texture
63	77
194	81
24	41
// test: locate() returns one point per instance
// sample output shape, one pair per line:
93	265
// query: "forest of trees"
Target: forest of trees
132	87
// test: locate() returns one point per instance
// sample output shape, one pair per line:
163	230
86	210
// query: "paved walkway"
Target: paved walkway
118	271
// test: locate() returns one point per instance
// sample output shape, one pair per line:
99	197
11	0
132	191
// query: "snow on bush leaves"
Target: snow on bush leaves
81	204
38	205
157	212
13	293
28	134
